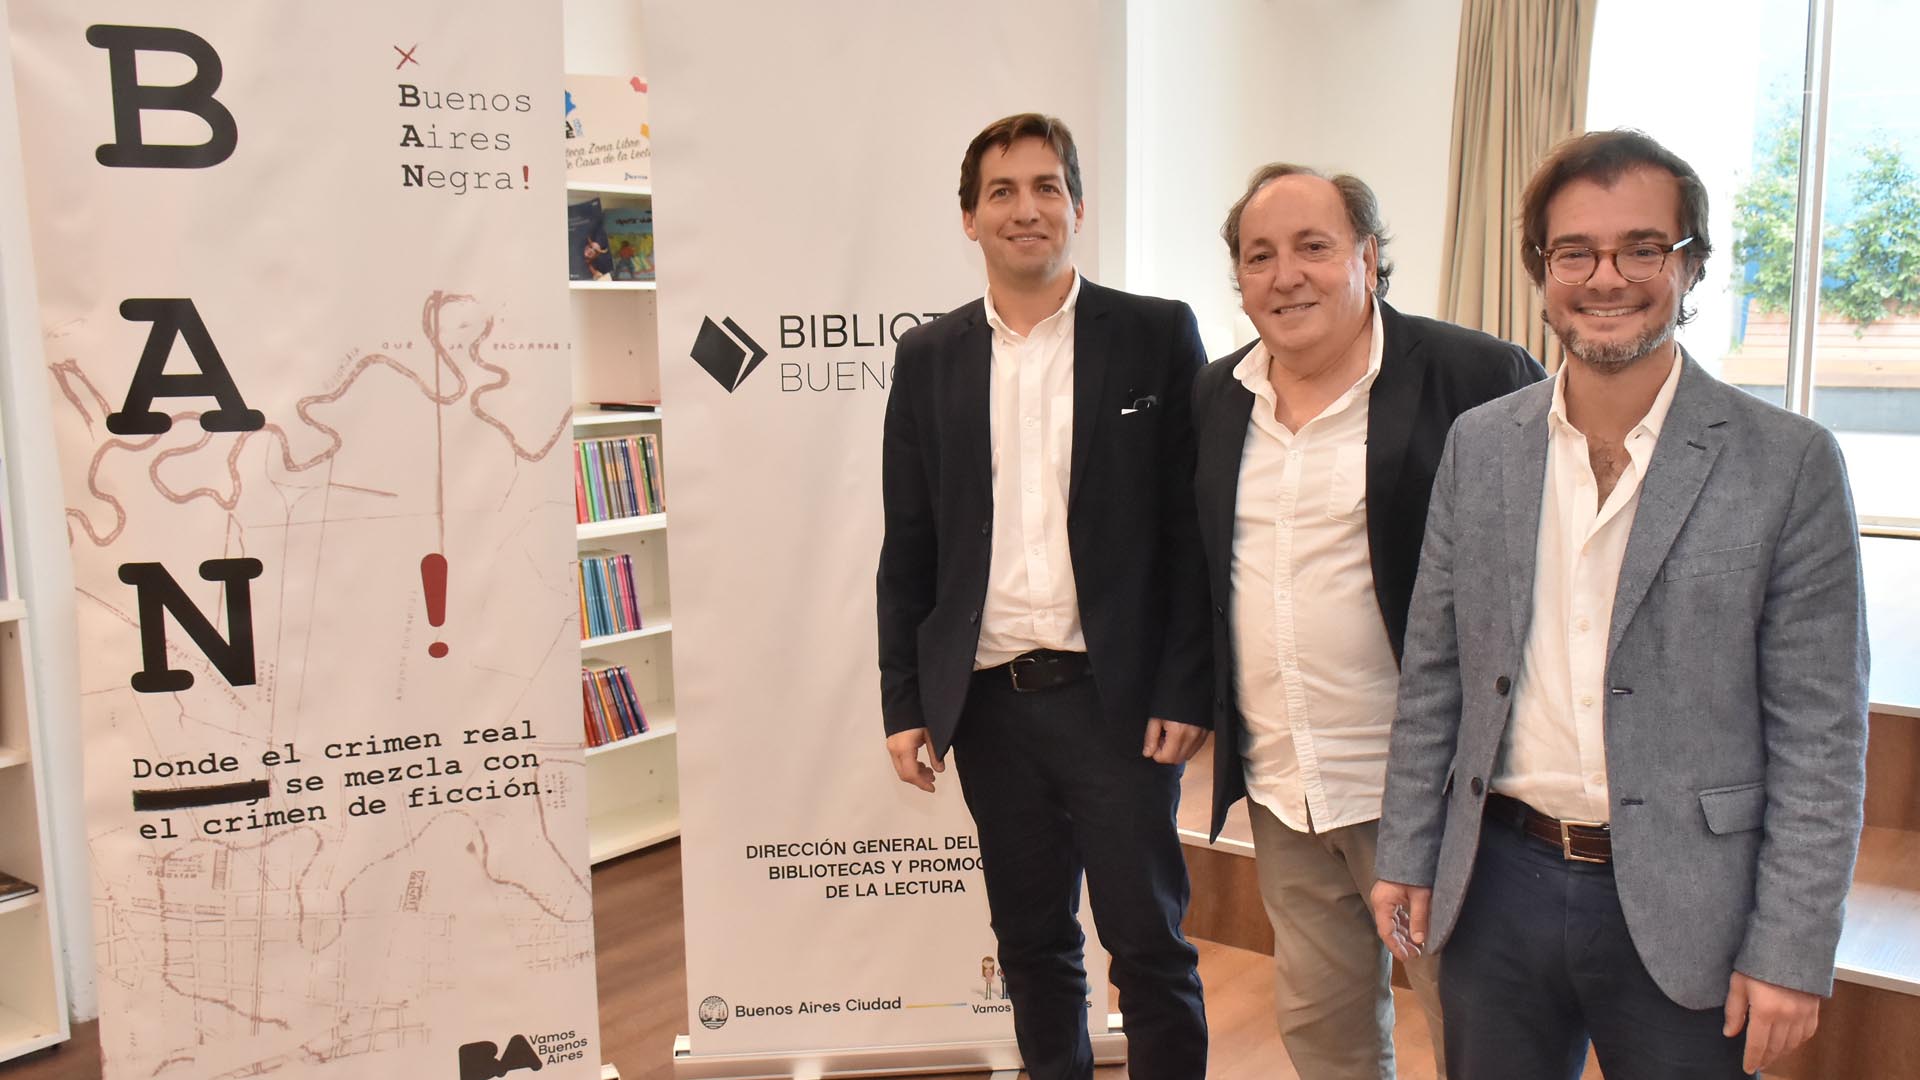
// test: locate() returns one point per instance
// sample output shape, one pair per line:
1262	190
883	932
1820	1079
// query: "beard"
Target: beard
1611	358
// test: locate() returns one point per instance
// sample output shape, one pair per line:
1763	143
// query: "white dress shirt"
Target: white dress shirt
1554	752
1031	599
1315	672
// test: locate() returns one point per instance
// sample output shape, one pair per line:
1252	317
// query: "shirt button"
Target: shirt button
1586	701
1581	624
1031	422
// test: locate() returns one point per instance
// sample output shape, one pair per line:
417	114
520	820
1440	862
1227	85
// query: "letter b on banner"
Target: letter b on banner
131	97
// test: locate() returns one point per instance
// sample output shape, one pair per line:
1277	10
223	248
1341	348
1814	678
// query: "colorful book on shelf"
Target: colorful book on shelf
12	888
611	708
630	238
608	601
588	258
618	478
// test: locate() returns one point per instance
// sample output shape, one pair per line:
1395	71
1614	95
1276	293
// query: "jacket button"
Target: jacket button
1219	706
1476	787
1219	610
1501	685
974	618
986	527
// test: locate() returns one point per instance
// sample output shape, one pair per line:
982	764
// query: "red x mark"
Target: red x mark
406	57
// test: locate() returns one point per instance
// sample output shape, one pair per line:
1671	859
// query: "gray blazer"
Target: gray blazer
1737	677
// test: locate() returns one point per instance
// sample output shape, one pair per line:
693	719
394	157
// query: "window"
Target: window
1740	89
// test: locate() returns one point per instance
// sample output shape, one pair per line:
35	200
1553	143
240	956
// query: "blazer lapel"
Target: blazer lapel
1523	481
1223	441
1092	360
1684	455
1391	405
972	402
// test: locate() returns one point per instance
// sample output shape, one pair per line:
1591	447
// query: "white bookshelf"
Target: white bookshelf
633	795
33	997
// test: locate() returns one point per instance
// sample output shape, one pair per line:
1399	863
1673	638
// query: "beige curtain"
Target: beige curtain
1521	87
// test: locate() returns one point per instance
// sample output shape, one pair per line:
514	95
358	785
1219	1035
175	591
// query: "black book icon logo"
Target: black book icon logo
484	1061
728	355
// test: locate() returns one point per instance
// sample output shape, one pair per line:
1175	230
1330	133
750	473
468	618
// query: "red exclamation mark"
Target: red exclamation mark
526	176
433	577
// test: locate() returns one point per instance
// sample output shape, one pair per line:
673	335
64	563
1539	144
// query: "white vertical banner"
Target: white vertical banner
807	161
300	269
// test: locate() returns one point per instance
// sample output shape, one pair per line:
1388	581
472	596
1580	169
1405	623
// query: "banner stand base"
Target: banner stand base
987	1057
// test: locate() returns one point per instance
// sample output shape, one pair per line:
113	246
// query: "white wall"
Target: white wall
45	571
1217	89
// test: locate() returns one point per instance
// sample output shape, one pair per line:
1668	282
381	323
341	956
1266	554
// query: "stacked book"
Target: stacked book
618	478
612	708
608	604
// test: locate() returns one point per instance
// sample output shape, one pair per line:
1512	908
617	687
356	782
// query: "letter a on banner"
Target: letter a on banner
179	319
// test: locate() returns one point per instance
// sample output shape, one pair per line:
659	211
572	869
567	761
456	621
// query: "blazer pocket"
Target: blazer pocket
1735	809
1706	563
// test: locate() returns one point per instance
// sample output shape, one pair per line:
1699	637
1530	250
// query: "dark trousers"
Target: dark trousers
1050	796
1541	961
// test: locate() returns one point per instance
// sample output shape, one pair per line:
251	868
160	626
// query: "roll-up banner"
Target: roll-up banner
300	267
806	163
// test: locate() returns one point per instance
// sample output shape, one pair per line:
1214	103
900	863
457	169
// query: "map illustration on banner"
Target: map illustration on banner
310	423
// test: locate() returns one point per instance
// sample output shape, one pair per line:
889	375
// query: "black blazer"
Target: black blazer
1131	532
1430	373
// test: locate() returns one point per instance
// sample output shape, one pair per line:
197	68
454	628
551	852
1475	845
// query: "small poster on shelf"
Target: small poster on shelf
608	141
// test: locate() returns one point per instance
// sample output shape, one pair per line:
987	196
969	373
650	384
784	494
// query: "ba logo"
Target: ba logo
728	355
713	1011
484	1061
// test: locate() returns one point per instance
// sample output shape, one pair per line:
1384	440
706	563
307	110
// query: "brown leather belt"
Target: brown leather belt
1578	841
1041	669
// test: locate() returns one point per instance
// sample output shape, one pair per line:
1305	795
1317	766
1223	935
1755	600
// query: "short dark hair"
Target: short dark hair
1363	214
1603	157
1003	133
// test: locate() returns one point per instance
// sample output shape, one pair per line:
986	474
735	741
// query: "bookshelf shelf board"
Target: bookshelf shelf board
613	286
21	1035
588	416
588	187
664	626
657	729
594	530
12	610
21	903
1877	941
629	829
13	755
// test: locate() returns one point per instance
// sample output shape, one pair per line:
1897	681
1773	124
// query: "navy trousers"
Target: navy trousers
1051	796
1541	961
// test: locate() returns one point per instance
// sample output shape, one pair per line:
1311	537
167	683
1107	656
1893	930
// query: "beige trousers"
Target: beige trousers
1332	976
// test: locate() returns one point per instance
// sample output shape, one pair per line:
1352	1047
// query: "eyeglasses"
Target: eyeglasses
1634	262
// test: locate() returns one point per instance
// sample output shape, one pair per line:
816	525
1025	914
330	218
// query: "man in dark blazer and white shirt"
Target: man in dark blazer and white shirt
1317	449
1042	605
1626	783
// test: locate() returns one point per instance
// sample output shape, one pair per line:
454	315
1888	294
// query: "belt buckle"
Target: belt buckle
1566	841
1013	671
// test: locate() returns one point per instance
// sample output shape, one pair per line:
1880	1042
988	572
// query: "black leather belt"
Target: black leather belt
1578	841
1041	669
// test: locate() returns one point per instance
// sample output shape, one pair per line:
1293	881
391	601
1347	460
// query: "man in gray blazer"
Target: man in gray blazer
1625	778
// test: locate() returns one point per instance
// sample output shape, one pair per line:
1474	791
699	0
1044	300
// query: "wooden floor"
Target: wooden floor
643	992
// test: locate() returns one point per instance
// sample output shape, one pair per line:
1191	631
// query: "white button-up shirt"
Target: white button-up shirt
1031	599
1554	752
1315	676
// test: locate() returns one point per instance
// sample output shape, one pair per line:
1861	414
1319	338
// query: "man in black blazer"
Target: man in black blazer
1042	604
1317	450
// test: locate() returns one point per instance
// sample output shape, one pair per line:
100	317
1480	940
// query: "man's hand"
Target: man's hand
1172	743
1777	1019
1400	917
904	748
